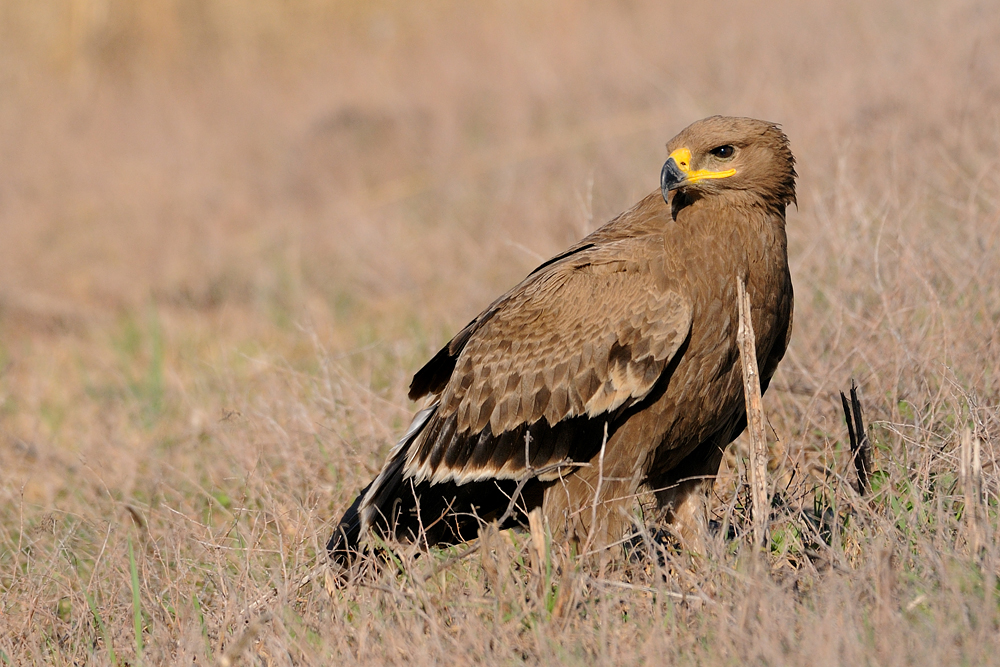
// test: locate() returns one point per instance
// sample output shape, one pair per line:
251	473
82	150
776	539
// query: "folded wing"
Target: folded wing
587	336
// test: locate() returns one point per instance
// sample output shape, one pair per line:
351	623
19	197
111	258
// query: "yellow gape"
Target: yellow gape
682	157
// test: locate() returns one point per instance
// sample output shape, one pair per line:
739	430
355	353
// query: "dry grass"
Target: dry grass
229	232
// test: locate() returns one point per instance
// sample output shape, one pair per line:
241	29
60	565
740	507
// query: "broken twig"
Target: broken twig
747	343
860	447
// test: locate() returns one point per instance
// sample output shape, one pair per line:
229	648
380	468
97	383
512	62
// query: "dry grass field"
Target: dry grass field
231	231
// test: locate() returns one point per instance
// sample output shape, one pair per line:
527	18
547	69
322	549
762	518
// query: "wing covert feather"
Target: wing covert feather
580	339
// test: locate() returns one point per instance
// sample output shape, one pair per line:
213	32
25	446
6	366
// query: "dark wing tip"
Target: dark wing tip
343	546
432	378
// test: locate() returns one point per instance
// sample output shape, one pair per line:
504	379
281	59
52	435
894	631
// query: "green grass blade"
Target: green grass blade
136	603
102	628
204	628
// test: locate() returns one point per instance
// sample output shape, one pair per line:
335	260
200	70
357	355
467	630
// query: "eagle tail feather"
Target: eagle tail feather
375	500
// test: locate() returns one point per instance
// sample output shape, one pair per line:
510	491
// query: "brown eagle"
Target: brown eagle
610	367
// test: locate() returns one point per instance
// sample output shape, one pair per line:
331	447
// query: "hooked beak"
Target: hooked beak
671	177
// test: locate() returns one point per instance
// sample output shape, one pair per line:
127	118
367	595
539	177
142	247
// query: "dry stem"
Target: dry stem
755	416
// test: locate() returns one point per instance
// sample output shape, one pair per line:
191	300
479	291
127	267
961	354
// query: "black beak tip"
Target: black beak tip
670	177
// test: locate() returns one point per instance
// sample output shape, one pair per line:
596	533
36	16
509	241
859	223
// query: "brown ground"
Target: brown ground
230	232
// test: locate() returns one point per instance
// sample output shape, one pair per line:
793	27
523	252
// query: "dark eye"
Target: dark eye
723	152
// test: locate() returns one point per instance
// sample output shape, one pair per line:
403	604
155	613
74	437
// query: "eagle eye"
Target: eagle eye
723	152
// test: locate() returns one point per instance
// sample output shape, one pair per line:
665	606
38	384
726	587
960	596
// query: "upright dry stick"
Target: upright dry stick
597	493
971	473
755	415
861	449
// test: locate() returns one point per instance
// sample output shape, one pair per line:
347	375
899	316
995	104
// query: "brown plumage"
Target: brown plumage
624	343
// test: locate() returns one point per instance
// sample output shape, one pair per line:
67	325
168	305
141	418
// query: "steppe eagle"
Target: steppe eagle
610	367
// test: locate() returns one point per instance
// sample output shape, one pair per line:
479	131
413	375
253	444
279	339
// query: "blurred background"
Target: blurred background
296	154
